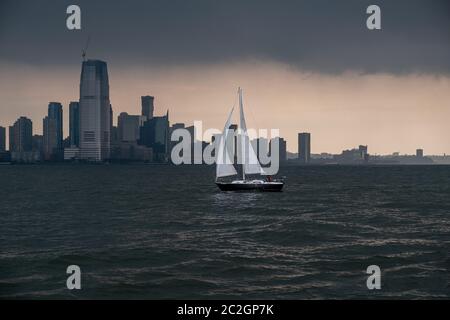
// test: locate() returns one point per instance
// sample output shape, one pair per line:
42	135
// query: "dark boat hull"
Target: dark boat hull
266	187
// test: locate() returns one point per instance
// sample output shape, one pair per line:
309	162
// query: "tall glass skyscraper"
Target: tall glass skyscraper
2	139
94	111
20	135
50	138
147	106
55	111
74	123
304	147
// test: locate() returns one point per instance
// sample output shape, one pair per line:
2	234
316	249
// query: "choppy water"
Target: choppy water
142	231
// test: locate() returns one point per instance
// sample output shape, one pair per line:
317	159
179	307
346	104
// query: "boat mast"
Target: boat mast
241	115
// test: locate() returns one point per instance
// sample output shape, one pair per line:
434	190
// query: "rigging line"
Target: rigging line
234	105
253	119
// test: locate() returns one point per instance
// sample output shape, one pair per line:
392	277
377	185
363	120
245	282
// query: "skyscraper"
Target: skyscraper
129	127
12	144
55	112
363	150
147	106
21	135
111	119
419	153
176	126
74	123
155	134
2	139
38	143
304	147
50	139
283	150
262	148
94	111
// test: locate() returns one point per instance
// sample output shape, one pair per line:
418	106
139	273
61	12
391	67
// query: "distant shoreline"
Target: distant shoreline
74	164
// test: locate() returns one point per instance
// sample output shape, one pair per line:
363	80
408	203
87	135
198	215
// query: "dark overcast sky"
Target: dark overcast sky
321	36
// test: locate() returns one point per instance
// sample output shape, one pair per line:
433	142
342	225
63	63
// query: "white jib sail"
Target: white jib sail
249	158
224	164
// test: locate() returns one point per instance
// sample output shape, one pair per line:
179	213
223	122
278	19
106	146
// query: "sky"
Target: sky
303	65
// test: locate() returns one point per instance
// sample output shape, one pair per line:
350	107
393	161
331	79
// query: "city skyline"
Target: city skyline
291	141
327	75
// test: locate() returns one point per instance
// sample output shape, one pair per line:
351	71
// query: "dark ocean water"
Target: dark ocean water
142	231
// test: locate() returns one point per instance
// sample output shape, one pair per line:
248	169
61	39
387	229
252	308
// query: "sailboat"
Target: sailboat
250	164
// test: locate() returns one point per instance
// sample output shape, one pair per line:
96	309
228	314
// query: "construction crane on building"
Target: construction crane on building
85	48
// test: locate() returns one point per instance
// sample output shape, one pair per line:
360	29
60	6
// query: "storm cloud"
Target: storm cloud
317	36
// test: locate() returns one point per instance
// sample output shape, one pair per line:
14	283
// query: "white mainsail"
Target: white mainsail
224	164
249	159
